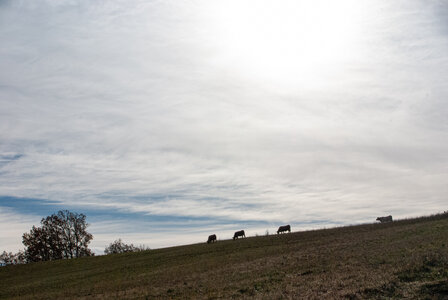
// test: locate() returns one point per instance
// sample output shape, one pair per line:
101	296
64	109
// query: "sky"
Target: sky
166	121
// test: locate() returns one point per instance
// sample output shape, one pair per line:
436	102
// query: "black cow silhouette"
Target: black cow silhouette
384	219
239	234
211	238
284	229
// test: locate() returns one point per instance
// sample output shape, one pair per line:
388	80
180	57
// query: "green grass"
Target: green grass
403	259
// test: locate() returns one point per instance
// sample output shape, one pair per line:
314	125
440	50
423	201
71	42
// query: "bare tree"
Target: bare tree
74	234
61	236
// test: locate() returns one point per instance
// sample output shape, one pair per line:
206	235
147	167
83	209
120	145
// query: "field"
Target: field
403	259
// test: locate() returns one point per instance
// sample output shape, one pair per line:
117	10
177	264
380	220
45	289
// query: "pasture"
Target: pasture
405	258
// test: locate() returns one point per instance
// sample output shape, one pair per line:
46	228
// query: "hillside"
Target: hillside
407	258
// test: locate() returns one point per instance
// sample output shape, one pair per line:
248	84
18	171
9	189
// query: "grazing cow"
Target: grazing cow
284	229
384	219
239	233
211	238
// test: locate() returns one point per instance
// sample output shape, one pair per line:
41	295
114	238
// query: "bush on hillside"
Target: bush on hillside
9	258
119	247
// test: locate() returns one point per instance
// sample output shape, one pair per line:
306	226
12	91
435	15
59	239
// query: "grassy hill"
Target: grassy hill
407	258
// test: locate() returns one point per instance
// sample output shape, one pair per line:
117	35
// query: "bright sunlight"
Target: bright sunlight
287	42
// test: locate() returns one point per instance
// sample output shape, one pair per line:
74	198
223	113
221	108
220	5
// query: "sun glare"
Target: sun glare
286	41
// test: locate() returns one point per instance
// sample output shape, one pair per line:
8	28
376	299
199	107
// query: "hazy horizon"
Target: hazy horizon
167	121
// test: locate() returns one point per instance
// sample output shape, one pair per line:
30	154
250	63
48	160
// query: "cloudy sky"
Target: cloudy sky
166	121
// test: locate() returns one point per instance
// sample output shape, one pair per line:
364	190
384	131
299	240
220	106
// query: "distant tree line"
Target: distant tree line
62	235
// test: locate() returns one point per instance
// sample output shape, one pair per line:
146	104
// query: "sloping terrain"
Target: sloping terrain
407	258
